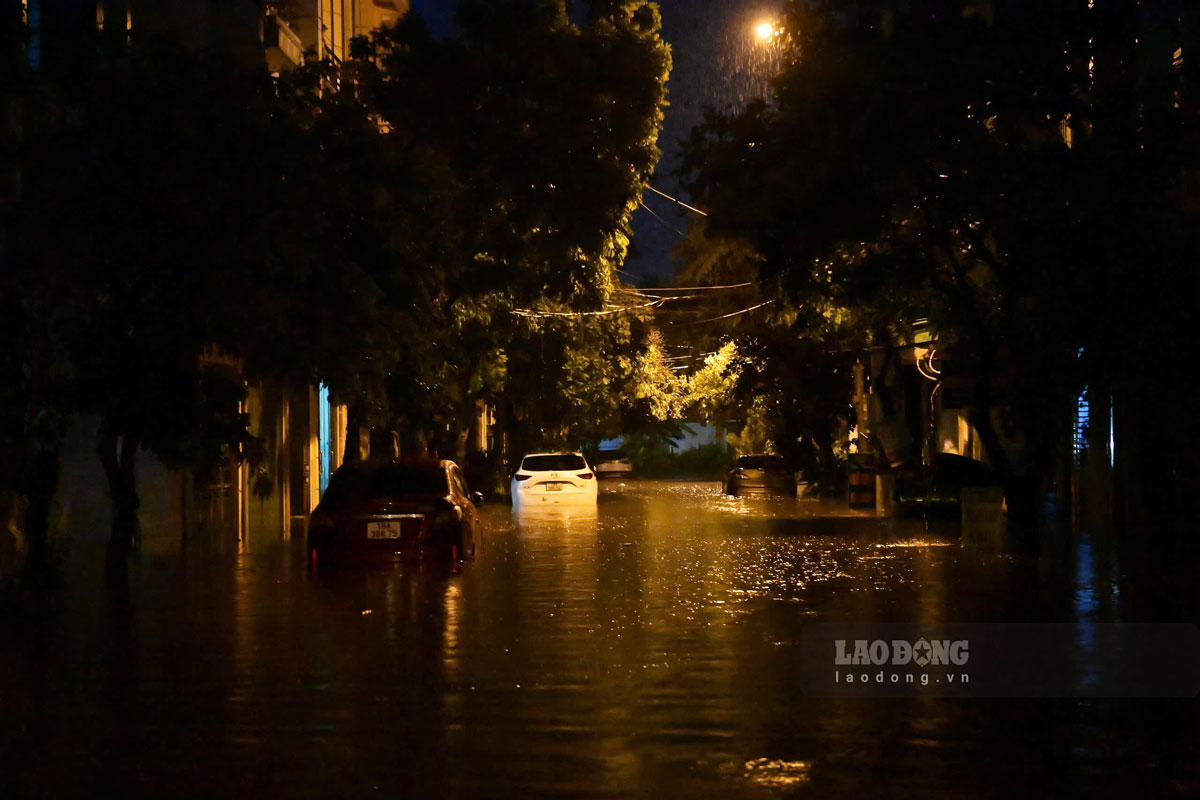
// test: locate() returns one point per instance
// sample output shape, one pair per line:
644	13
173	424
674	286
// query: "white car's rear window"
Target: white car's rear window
553	463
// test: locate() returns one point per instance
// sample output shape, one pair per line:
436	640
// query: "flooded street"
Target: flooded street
649	646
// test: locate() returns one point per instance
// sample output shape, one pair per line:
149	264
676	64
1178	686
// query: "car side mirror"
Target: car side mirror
477	498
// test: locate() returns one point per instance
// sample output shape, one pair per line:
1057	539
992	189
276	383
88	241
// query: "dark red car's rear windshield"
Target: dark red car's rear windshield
362	482
397	480
763	462
553	463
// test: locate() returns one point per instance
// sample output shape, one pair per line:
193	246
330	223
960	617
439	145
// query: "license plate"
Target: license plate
554	487
383	530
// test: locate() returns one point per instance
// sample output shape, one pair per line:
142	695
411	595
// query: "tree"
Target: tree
411	227
545	134
170	255
927	166
792	392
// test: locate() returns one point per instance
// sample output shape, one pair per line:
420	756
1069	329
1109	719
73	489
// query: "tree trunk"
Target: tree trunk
385	442
467	410
351	448
499	456
1019	492
43	482
460	445
118	456
828	471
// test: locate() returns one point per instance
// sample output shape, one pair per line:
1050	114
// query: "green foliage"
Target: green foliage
666	394
424	226
789	391
544	134
657	384
711	388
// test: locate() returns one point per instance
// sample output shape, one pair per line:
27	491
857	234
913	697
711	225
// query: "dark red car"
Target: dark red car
389	507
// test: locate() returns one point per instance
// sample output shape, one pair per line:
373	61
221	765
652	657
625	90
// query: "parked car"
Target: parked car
761	474
937	492
385	507
613	464
553	478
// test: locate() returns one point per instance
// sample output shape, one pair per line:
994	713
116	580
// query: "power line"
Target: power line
529	312
660	219
674	200
639	293
726	316
693	288
680	288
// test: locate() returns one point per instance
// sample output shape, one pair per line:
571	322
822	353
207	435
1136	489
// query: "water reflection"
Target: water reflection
649	644
578	518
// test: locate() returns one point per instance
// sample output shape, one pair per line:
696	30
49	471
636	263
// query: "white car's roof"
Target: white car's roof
555	453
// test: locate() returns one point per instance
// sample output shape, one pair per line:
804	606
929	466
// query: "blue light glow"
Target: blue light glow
326	439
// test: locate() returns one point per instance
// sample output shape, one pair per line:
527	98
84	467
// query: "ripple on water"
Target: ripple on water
777	773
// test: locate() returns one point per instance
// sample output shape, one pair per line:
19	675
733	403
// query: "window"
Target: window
459	483
762	462
396	480
1082	421
564	462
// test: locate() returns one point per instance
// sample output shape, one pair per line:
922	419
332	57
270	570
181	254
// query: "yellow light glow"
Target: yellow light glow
765	30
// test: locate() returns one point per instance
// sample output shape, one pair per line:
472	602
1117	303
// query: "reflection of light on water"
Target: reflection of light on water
917	543
453	606
1085	578
553	513
1086	608
778	773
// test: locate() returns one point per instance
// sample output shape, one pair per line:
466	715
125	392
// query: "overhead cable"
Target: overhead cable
674	200
529	312
726	316
693	288
660	219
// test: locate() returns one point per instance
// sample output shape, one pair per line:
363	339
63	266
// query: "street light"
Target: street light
765	30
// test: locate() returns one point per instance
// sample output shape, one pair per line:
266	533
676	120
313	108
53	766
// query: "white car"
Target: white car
553	478
613	464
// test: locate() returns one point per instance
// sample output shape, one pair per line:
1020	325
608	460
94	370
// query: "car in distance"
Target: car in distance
386	507
612	464
553	479
761	474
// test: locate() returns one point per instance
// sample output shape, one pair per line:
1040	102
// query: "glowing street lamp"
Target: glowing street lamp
765	31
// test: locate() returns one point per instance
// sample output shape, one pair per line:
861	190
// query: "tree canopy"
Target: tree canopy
1010	173
424	226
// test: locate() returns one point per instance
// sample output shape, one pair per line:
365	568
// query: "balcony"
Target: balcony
282	44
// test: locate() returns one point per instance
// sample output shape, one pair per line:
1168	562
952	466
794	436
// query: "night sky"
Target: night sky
717	63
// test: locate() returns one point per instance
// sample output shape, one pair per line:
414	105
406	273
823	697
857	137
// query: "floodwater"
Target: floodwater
650	646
